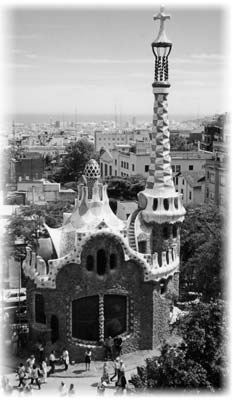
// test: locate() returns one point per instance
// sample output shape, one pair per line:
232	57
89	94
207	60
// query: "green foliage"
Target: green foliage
126	188
204	332
198	362
30	220
78	154
202	261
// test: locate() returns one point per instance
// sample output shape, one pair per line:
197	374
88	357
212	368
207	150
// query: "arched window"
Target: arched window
155	204
90	263
39	309
113	261
114	315
101	262
85	318
166	204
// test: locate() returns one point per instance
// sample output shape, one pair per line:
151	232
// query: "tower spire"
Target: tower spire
160	173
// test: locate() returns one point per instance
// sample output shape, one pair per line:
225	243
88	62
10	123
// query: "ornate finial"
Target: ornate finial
162	38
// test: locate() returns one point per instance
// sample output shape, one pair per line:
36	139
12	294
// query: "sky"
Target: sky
98	60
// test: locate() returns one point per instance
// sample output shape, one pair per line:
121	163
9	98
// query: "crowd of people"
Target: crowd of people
36	369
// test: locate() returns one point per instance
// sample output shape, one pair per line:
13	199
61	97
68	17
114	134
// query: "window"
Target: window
173	168
115	162
101	262
166	204
207	193
163	287
178	168
114	315
182	181
115	173
190	195
181	190
110	170
176	180
39	309
142	246
146	168
155	204
87	317
122	165
190	167
105	170
132	167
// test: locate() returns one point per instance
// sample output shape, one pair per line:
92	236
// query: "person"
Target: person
35	376
65	358
116	369
88	359
52	360
121	373
101	387
29	364
62	389
40	352
105	376
15	343
108	347
71	390
117	345
44	370
21	374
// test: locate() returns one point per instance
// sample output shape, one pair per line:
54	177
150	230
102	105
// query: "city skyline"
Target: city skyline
104	63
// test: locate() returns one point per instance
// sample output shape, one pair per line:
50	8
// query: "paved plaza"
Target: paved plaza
85	382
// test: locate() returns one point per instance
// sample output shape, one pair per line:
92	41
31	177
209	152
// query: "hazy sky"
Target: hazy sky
96	59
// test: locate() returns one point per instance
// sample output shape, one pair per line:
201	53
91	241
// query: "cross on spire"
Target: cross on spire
162	17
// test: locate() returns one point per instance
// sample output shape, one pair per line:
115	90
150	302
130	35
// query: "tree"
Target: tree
126	188
78	154
202	261
29	223
198	362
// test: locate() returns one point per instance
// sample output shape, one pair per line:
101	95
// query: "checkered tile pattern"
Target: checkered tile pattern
160	173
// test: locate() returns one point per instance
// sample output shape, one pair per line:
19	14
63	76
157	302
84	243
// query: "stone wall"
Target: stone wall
147	318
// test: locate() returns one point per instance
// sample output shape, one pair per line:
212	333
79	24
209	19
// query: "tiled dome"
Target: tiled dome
92	170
